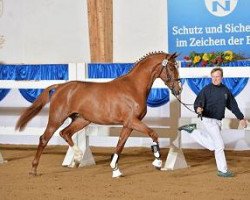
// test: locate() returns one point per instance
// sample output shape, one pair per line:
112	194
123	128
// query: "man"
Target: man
210	104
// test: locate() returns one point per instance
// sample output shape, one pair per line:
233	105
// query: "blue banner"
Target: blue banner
209	26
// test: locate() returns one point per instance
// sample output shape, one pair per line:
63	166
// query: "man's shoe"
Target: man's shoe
226	174
189	128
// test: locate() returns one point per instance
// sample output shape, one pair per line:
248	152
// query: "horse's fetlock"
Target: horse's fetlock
34	163
114	160
156	150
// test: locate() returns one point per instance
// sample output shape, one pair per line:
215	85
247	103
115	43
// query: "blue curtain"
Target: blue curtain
32	72
110	70
236	85
157	97
196	84
7	72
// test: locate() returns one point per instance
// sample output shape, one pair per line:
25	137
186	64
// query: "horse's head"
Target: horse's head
170	74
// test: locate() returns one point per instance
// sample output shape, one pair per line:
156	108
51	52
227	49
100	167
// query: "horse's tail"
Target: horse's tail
35	108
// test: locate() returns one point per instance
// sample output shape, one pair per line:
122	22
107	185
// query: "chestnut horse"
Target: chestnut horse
120	101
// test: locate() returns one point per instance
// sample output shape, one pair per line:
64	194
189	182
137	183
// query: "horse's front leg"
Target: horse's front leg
125	133
141	127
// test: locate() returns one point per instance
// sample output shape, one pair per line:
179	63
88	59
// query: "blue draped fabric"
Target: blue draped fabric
32	72
39	72
235	85
196	84
7	72
157	97
110	70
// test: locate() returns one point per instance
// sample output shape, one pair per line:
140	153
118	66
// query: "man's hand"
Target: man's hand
199	110
243	123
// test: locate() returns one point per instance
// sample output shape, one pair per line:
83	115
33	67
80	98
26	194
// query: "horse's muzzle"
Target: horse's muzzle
176	92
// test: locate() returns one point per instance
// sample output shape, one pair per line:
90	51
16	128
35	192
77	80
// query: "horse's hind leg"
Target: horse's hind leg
43	141
125	133
77	124
136	124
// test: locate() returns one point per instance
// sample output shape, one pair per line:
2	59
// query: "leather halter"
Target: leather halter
165	63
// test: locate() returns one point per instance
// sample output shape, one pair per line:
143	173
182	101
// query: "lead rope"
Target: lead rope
164	64
186	106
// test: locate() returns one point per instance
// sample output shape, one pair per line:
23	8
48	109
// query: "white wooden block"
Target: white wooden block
175	160
82	141
1	159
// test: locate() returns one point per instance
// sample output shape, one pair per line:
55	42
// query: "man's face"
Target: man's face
216	78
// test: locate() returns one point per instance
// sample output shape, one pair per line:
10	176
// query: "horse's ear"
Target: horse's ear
174	55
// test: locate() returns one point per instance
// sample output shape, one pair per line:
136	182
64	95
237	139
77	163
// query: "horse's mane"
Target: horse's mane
144	57
141	59
147	55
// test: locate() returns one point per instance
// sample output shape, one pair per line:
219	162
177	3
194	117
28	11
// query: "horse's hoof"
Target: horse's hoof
158	168
117	174
77	164
157	163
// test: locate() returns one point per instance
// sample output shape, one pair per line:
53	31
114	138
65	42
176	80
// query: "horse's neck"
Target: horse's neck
143	77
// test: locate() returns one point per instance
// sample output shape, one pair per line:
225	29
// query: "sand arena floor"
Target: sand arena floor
141	180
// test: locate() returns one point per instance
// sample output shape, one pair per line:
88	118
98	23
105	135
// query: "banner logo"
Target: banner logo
221	8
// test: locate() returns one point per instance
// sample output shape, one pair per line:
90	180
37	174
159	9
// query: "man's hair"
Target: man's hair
217	69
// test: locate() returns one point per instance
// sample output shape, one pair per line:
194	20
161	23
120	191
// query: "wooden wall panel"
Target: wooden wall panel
100	19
